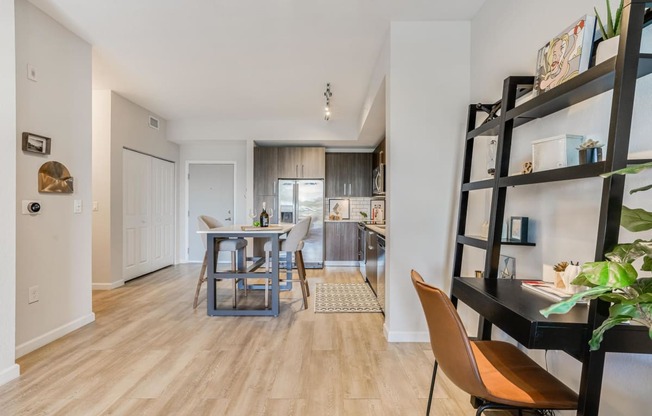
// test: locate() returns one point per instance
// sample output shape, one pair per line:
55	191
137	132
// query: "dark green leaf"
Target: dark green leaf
647	264
613	298
641	189
623	310
643	298
633	169
581	280
567	305
609	273
643	285
636	220
598	333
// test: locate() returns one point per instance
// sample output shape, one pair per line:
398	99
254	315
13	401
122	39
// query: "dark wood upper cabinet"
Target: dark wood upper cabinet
348	174
265	170
301	162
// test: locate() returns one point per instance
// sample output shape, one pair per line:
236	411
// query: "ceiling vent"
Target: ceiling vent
153	122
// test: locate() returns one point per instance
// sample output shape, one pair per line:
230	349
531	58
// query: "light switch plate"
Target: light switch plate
96	206
77	206
32	73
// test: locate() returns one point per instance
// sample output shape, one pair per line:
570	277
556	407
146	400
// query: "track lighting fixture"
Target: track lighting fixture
327	109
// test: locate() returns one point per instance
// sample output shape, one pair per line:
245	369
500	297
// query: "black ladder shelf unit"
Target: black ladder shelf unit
618	74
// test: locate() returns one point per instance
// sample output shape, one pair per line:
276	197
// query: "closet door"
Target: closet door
148	214
162	219
136	219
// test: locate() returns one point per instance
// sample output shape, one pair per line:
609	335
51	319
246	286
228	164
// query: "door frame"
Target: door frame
187	194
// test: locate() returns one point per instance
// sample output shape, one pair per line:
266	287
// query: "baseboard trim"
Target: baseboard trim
9	374
55	334
405	336
108	286
342	263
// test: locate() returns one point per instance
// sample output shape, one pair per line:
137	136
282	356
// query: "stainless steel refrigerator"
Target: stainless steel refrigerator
300	198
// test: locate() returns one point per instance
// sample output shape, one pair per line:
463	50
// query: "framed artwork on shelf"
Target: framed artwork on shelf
565	56
339	209
518	229
34	143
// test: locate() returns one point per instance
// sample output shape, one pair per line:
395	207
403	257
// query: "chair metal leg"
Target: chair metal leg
301	270
489	405
432	388
267	279
201	280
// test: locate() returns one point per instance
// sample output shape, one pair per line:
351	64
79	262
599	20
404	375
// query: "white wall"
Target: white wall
53	249
565	213
238	151
118	123
8	369
428	90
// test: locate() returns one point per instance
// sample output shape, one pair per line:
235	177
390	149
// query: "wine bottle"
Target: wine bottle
264	217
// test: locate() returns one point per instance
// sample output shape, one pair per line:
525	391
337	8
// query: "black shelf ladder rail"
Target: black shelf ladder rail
625	70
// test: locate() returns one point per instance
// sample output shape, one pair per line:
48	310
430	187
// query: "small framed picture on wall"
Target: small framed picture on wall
518	227
34	143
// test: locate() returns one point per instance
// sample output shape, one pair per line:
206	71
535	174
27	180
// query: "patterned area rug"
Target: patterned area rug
345	297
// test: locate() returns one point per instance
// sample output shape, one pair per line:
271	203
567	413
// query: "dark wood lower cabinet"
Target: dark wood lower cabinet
341	241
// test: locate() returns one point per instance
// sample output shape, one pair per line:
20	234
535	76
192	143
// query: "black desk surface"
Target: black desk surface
515	310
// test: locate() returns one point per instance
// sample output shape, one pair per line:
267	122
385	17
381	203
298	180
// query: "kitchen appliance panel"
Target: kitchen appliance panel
371	265
380	294
362	249
305	198
379	180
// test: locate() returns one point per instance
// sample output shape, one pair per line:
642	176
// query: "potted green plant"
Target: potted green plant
610	34
616	280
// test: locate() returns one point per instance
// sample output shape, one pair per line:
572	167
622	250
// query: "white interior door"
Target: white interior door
148	214
211	190
136	184
162	248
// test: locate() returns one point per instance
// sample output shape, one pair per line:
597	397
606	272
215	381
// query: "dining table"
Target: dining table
246	266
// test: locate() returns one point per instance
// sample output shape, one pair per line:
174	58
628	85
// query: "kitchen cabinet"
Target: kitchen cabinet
348	174
265	170
341	241
301	162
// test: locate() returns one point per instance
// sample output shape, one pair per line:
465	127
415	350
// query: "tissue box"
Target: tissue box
556	152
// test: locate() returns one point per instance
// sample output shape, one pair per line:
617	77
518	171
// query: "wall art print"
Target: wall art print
565	56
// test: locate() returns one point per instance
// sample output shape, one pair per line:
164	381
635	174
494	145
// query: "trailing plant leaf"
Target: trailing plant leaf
609	273
647	264
641	189
633	169
642	285
629	311
625	253
566	305
636	220
581	280
613	298
598	333
644	298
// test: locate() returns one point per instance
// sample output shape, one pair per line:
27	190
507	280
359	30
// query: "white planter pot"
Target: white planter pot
607	49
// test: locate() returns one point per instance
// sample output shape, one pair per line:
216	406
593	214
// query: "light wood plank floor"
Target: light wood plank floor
150	353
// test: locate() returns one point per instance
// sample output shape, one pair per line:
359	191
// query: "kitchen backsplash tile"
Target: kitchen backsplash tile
356	206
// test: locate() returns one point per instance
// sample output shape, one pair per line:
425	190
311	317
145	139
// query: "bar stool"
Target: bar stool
292	244
235	245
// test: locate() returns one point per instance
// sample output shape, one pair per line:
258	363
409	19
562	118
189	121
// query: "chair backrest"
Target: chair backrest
448	339
204	222
297	234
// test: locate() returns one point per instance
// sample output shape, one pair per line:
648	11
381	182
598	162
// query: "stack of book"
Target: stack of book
547	289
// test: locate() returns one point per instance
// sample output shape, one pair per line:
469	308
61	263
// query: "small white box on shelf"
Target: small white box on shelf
556	152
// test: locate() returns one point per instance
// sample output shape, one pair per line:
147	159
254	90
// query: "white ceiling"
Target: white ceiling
242	60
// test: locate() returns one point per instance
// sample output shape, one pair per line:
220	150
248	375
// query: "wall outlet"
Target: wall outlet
77	206
33	294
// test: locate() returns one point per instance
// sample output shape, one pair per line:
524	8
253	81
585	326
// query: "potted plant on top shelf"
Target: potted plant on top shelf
610	34
616	280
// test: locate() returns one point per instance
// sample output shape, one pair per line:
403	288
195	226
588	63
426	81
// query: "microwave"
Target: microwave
379	180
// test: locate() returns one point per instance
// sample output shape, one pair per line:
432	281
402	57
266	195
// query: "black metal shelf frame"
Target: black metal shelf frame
618	74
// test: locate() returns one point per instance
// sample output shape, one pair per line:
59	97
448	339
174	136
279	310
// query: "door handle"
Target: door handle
274	188
350	191
344	189
227	219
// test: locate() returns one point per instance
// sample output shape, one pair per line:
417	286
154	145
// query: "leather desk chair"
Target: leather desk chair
496	372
